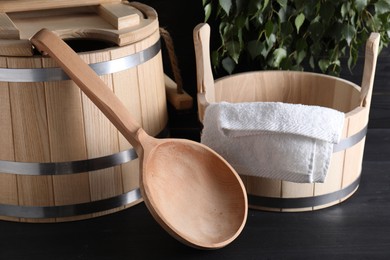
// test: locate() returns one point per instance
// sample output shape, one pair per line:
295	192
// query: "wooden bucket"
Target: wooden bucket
60	158
305	88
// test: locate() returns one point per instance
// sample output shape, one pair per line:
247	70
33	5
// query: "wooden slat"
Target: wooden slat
20	48
8	29
354	155
127	89
31	142
67	139
152	89
73	23
101	139
119	15
8	184
27	5
81	21
264	187
297	190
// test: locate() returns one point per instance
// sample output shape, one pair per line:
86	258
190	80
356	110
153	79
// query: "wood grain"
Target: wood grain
81	19
119	15
127	89
30	130
67	138
180	101
297	88
152	94
355	229
54	122
26	5
101	140
204	208
8	183
8	30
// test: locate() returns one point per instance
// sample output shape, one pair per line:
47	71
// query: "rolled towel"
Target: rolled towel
290	142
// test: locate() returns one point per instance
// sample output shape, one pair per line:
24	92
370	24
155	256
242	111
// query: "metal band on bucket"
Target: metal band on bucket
350	141
304	202
70	210
101	68
72	167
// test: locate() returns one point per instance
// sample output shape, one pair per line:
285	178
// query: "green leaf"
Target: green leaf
299	21
344	9
265	51
300	56
265	4
226	5
269	28
277	56
283	3
282	15
215	58
271	40
382	6
233	48
360	5
207	12
260	19
255	48
228	65
241	21
348	32
353	56
287	34
311	62
324	64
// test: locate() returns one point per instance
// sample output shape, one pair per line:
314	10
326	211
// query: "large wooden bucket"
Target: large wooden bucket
305	88
60	158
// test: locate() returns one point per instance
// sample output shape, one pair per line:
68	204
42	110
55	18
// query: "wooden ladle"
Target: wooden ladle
191	191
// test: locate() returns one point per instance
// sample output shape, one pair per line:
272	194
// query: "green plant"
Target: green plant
286	34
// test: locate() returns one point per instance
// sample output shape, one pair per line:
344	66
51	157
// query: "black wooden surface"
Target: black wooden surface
358	228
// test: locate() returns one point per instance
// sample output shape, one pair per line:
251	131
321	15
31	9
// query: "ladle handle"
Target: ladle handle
89	82
204	73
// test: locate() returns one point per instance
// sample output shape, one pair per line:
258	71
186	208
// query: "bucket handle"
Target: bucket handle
371	55
204	74
205	80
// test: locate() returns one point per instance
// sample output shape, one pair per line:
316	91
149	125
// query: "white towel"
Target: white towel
276	140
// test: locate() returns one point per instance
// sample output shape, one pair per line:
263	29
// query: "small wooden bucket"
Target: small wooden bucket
305	88
60	158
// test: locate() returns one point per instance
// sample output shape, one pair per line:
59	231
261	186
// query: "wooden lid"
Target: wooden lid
121	23
28	5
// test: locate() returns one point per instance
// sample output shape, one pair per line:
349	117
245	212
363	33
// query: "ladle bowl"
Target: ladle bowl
190	190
